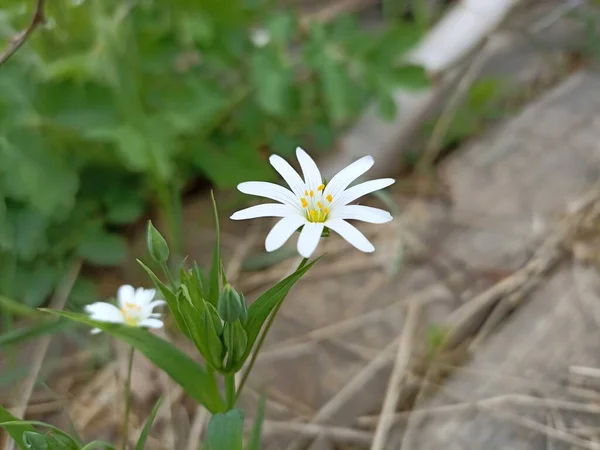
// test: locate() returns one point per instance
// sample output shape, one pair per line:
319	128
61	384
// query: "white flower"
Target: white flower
260	37
313	205
135	309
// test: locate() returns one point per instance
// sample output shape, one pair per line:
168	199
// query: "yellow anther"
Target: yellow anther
329	198
320	205
312	213
303	202
306	193
312	193
326	211
321	187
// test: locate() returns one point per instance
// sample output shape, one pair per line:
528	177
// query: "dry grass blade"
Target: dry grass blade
311	430
58	302
405	348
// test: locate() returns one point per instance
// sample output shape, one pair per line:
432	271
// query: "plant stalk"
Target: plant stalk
230	396
127	399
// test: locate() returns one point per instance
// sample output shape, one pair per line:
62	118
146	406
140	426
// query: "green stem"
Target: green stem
230	391
263	336
169	275
127	399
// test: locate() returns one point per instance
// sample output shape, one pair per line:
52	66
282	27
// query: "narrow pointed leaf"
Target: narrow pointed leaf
147	426
169	297
215	270
14	427
190	375
254	443
263	305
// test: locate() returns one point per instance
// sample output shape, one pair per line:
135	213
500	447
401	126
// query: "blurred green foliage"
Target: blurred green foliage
116	105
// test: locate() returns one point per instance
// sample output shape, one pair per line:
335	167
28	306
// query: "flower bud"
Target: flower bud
231	305
214	346
215	318
236	341
157	246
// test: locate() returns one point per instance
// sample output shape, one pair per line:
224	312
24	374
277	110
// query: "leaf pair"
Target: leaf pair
28	438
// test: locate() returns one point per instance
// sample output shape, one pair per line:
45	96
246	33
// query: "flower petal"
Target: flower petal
309	238
282	231
144	296
351	234
125	294
312	176
105	312
347	175
362	213
361	189
289	174
269	190
151	323
156	303
265	210
95	330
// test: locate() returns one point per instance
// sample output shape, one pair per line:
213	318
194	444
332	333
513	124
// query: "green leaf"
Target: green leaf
281	28
61	442
411	77
226	431
387	106
191	376
124	209
170	298
28	228
337	88
102	248
254	443
147	426
15	427
272	81
215	270
34	441
264	304
35	284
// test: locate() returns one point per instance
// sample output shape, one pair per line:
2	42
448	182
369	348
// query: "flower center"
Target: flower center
131	313
316	206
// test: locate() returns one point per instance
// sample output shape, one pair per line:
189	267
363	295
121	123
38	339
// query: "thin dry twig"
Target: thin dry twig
200	421
405	348
16	42
58	301
468	77
311	430
500	400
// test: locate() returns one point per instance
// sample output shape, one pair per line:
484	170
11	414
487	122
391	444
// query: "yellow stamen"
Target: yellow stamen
303	202
320	205
306	193
321	187
326	211
329	198
312	193
312	213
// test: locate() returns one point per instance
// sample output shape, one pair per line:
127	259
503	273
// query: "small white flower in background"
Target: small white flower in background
134	309
260	37
313	205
